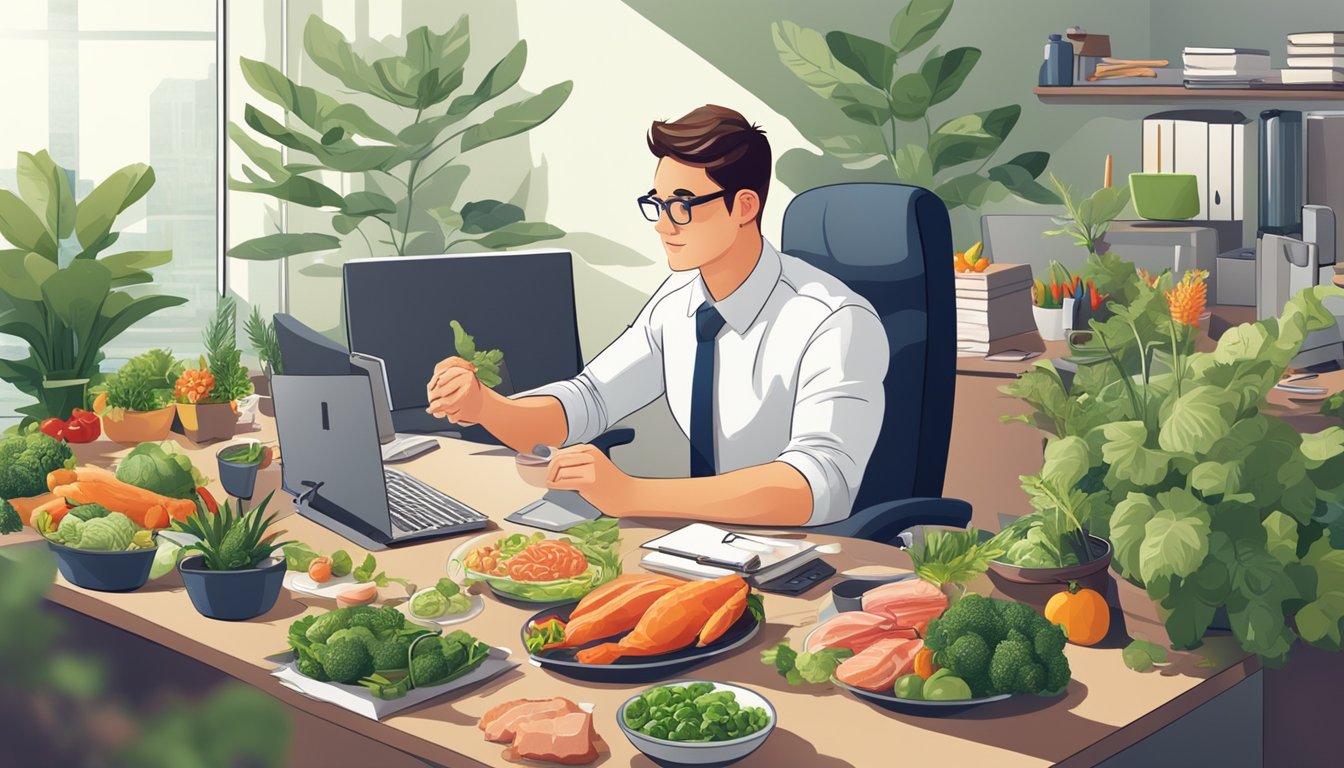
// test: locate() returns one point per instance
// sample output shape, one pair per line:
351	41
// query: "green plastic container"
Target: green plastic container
1165	196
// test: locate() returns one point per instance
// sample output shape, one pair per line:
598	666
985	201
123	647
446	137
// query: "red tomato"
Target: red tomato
53	427
77	431
84	417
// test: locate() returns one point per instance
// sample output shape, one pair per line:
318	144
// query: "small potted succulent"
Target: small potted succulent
207	396
233	574
261	335
238	467
136	402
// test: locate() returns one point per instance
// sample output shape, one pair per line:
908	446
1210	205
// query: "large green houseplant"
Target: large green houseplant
888	101
59	289
1208	501
408	170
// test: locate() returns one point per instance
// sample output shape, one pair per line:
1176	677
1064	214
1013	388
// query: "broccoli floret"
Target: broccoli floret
1057	673
386	619
967	657
1014	669
347	660
430	667
973	613
363	635
934	637
26	460
326	625
1049	642
1014	634
391	653
10	522
1018	616
308	667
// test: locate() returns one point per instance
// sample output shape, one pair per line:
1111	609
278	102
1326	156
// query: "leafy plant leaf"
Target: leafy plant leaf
916	23
946	73
1019	181
282	245
1129	460
517	234
501	77
873	61
22	228
1175	541
913	165
1197	419
46	187
518	117
968	190
849	147
1319	620
489	215
1141	655
95	214
910	97
971	137
805	52
367	204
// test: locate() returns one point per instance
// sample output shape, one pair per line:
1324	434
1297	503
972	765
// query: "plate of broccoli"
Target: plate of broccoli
375	662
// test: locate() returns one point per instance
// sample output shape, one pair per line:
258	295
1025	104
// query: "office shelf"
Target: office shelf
1146	94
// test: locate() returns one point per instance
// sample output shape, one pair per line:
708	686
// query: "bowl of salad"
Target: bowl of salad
544	568
697	722
98	549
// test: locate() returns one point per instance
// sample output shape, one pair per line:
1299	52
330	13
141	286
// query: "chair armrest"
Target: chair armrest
884	522
612	438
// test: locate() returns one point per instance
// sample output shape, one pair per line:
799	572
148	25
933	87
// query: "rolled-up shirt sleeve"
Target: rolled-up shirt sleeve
838	409
623	378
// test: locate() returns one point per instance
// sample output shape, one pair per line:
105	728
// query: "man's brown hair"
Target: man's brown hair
734	153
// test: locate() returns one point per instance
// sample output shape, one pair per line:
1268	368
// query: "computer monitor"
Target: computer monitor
521	302
305	352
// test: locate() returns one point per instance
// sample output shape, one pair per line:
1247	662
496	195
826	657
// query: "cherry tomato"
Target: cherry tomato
79	431
53	427
84	417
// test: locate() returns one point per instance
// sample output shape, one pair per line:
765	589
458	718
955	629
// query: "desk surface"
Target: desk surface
1106	709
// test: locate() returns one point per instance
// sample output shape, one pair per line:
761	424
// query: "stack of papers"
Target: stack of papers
701	551
1315	58
992	306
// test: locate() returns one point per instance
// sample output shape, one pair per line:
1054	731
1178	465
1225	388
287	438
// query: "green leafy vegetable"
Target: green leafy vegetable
113	532
540	635
25	460
693	713
163	469
997	646
368	571
599	542
487	363
10	522
248	453
1142	655
298	556
798	668
952	557
144	383
341	564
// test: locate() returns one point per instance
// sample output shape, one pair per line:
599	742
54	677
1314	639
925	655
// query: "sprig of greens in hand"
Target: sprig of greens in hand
487	363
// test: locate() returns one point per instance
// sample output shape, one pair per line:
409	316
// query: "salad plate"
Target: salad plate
542	568
448	619
300	582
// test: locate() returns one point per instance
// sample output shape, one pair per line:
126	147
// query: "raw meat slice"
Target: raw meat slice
501	722
911	603
877	666
568	739
855	630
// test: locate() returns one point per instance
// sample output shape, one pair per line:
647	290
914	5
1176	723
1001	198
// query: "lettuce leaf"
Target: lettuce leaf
799	668
163	469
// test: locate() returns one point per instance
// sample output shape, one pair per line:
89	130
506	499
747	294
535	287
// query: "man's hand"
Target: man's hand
586	469
455	393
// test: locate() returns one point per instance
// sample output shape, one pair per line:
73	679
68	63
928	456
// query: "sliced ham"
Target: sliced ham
501	723
568	739
877	666
910	603
855	630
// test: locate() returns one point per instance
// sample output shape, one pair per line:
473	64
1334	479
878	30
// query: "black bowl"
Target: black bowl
232	595
104	571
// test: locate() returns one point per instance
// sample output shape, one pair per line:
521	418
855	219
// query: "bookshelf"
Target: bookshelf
1147	94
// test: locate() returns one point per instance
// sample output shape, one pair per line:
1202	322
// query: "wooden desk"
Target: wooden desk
1107	707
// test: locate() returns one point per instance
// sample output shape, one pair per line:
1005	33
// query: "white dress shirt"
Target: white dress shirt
798	379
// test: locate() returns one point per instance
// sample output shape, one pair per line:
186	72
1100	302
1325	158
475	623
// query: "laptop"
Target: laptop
331	460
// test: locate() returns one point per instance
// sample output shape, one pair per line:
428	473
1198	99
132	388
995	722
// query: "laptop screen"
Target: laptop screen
328	435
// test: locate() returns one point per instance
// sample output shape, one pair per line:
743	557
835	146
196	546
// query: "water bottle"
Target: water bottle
1057	69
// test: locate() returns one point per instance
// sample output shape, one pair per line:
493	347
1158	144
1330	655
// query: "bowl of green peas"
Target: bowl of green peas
697	722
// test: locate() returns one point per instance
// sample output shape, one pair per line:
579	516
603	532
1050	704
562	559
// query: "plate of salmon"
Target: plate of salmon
643	628
542	568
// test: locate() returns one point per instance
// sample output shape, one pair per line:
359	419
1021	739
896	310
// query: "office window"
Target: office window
105	83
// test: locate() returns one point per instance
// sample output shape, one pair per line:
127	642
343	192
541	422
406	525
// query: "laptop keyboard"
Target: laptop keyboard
416	506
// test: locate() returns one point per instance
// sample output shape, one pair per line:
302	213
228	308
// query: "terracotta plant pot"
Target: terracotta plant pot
207	422
1035	586
135	427
1146	619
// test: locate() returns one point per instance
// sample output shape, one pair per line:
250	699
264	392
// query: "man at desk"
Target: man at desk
772	367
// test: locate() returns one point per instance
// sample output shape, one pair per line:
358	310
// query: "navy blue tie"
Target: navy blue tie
708	323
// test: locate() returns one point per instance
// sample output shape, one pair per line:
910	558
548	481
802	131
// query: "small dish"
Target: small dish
702	753
477	606
300	582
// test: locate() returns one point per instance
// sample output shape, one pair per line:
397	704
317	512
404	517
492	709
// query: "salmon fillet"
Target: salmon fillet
877	666
855	630
613	616
614	589
568	739
725	617
911	603
501	723
671	623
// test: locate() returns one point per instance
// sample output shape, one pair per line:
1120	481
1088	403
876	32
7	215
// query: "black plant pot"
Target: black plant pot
104	571
232	595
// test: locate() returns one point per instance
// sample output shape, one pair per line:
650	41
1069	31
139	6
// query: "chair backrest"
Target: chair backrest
892	244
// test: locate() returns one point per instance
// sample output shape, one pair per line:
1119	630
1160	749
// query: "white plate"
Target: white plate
477	605
300	582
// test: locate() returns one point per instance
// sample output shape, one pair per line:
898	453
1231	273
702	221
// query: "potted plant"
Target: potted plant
238	467
234	574
67	310
136	402
1210	504
207	396
261	335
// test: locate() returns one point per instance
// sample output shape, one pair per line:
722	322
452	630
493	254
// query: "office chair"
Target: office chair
892	244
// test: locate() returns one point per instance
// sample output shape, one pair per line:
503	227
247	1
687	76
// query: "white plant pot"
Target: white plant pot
1050	322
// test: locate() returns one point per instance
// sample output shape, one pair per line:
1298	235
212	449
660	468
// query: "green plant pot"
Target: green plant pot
1165	196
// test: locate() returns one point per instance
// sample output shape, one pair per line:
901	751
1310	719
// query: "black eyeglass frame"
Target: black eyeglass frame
666	205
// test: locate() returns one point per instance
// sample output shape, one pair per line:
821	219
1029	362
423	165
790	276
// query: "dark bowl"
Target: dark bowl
104	571
232	595
1035	586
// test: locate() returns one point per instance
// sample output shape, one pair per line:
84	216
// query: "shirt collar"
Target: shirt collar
741	307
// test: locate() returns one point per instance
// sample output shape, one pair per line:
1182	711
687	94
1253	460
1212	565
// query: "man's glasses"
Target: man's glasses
678	208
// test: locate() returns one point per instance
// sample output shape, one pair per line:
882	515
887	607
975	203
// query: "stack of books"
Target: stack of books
1226	67
992	307
1315	58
